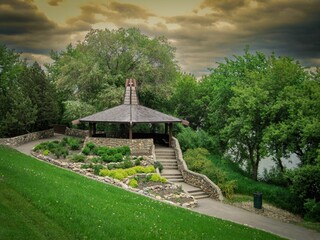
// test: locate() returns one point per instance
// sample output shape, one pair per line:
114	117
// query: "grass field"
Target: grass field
40	201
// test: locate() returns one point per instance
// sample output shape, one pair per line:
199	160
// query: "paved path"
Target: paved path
217	209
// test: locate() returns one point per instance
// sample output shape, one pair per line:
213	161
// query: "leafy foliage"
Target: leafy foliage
95	70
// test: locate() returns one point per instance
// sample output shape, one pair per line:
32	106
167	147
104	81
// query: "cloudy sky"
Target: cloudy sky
203	31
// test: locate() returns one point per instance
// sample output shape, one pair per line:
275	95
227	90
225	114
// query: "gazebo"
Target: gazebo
130	113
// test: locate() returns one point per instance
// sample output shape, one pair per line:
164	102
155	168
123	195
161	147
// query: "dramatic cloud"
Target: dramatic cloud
54	2
202	36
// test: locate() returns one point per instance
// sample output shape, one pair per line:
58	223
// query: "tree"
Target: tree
100	64
17	114
252	104
42	95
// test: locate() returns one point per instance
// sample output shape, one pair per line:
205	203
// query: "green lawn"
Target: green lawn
40	201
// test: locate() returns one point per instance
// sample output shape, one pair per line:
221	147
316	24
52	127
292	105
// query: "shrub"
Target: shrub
197	159
139	169
133	183
312	210
228	188
85	166
78	158
96	160
137	162
104	172
158	165
101	151
275	176
107	158
149	169
74	143
127	164
46	152
157	178
41	146
119	174
97	168
190	139
306	185
130	171
118	157
215	174
91	145
86	150
124	150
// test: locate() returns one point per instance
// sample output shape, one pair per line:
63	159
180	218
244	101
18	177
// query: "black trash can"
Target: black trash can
257	200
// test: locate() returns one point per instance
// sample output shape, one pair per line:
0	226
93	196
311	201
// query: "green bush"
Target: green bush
104	172
119	174
312	209
78	158
228	188
133	183
91	145
74	143
190	139
101	151
41	146
46	152
197	159
124	150
157	178
86	150
130	171
305	185
275	176
96	160
158	165
139	169
149	169
107	158
118	157
127	164
97	168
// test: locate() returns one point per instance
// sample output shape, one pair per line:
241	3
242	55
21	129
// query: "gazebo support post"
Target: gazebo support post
90	129
130	131
94	129
170	134
166	128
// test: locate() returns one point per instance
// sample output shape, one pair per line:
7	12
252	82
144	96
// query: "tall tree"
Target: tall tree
101	63
253	100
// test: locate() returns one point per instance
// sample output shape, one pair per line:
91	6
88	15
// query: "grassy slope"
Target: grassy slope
278	196
40	201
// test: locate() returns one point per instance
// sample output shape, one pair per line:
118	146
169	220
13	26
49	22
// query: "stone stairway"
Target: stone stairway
167	157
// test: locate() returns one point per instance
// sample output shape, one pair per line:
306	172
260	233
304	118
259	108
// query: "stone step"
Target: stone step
165	155
175	179
195	191
172	175
166	160
170	167
169	163
201	197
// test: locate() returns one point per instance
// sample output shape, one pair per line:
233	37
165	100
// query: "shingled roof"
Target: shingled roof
130	111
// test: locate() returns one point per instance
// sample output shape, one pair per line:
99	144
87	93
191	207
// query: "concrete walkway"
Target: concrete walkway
217	209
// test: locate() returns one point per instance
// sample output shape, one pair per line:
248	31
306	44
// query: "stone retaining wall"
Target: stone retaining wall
137	146
18	140
196	179
76	132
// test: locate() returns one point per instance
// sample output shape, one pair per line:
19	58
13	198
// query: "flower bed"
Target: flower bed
136	174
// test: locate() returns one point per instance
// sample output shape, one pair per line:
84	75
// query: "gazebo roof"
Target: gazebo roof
130	112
